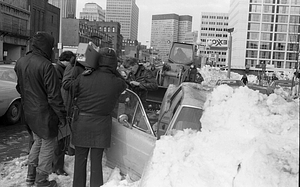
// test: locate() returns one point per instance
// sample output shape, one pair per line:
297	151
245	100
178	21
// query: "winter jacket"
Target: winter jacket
39	87
60	68
147	82
97	95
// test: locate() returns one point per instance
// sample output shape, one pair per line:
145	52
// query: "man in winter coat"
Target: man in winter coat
59	154
96	96
140	79
39	88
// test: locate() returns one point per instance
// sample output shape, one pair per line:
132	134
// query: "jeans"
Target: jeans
81	157
59	155
41	154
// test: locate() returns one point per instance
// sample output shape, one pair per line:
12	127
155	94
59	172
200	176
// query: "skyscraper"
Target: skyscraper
265	32
126	12
92	12
68	7
166	29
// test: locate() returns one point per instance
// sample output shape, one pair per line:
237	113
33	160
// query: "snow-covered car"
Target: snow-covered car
134	132
230	82
286	85
10	100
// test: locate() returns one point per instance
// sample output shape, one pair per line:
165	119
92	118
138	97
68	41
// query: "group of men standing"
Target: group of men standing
48	93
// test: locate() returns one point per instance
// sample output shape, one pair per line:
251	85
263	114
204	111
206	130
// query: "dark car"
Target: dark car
230	82
10	100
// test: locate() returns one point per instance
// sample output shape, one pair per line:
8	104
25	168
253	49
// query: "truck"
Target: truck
181	67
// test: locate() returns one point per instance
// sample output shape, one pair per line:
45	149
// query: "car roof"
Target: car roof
194	94
7	65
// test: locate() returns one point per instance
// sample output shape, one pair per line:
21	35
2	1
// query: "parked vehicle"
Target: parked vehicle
10	100
134	133
286	85
230	82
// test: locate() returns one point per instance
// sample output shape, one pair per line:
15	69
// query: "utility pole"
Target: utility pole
230	30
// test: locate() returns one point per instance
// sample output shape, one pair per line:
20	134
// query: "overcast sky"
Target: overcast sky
147	8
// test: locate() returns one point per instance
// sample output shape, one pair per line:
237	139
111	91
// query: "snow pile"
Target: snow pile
254	141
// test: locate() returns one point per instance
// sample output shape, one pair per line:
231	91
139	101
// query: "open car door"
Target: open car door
132	139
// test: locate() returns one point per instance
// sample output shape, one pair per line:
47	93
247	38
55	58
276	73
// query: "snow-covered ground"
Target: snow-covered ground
247	139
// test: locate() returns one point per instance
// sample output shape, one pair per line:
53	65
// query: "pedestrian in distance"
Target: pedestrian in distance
65	59
244	79
140	79
96	95
44	111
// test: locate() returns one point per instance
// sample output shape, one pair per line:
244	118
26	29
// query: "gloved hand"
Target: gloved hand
62	122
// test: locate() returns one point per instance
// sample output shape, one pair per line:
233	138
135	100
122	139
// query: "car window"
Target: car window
129	104
188	117
8	74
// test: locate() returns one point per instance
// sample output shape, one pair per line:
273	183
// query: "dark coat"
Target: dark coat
60	68
147	82
96	95
39	87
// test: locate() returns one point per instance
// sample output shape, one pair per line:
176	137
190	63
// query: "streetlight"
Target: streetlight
230	30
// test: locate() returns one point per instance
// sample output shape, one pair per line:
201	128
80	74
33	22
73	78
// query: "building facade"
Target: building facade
102	34
213	36
126	12
166	29
68	7
92	12
266	34
19	21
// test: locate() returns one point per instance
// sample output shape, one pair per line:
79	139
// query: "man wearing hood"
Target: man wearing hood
96	96
39	87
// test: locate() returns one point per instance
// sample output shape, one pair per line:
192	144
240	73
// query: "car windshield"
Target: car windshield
8	74
188	118
181	54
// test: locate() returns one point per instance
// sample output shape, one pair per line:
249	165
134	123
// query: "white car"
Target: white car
134	135
10	100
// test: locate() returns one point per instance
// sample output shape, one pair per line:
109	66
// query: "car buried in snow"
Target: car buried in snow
134	131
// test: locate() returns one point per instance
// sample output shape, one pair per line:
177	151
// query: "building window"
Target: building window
291	56
295	19
266	36
265	54
278	55
255	1
268	18
253	26
253	35
108	29
113	29
252	45
251	62
267	27
251	54
254	17
283	9
278	64
283	2
292	47
266	45
295	2
280	28
295	10
255	8
279	46
269	9
269	1
281	19
280	37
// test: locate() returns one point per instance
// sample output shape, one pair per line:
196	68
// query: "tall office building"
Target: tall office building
68	7
265	32
126	12
166	29
92	12
213	31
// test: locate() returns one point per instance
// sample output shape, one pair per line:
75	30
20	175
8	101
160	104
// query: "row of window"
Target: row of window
215	17
269	54
291	37
215	35
100	29
213	23
275	9
213	29
270	27
293	2
276	63
278	18
270	46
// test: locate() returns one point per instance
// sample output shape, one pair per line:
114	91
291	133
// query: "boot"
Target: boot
41	180
31	173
